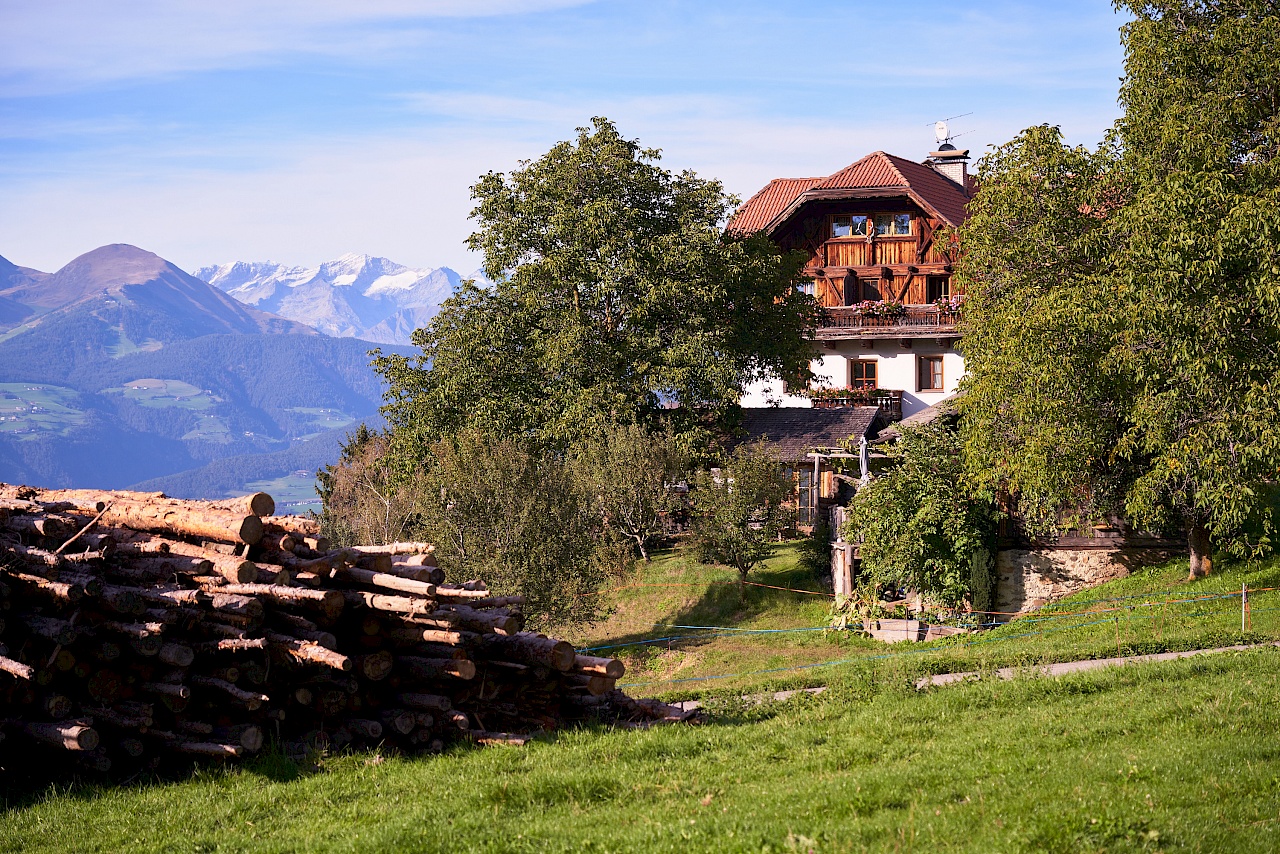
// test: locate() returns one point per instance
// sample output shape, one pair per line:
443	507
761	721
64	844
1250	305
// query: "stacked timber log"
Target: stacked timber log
136	628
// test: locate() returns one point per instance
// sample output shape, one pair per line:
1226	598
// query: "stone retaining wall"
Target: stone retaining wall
1030	578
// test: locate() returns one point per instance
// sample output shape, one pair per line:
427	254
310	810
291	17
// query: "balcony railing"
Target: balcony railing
889	400
916	319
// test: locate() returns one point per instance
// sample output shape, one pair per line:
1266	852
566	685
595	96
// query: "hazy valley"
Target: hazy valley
120	369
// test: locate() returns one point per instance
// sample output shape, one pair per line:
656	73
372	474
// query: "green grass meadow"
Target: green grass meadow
161	394
1152	610
1177	756
319	420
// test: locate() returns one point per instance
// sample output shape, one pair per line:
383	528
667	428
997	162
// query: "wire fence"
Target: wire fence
1154	607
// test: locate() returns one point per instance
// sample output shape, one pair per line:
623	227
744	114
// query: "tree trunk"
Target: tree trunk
1198	543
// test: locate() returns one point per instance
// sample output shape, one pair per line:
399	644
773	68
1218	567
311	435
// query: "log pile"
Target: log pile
135	629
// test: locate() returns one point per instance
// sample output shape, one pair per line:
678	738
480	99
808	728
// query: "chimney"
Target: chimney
951	163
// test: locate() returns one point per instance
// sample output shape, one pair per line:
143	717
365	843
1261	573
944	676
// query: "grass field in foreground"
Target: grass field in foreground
1154	610
1179	756
1171	757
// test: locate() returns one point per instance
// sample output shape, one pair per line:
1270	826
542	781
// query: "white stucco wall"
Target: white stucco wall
896	369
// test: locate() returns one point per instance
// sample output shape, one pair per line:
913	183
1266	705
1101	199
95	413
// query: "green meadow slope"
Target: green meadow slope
1178	756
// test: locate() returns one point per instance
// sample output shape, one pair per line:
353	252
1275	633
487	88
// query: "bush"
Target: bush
366	500
514	518
919	528
624	473
815	551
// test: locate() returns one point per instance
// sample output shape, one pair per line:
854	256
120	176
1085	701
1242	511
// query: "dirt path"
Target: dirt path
1007	672
1076	666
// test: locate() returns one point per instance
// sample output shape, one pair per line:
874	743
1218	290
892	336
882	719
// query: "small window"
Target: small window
862	373
891	225
871	289
848	226
805	489
809	287
929	373
938	287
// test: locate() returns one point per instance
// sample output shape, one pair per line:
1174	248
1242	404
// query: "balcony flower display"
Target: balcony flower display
879	308
949	303
835	398
839	396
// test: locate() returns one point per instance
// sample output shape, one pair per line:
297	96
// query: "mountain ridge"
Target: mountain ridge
120	367
139	289
352	296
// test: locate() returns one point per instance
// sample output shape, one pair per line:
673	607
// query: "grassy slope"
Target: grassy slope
674	590
1178	756
1078	627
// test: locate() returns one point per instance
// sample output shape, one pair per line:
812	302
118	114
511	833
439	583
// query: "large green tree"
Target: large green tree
1123	332
616	294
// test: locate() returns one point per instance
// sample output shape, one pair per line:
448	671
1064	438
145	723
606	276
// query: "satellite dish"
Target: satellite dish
941	131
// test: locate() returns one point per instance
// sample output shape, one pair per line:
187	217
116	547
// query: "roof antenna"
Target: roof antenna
942	133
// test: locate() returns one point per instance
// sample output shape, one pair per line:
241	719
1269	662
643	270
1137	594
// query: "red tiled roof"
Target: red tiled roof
878	171
760	209
874	170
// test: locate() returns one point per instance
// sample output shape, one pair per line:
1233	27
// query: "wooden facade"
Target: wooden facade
911	269
875	231
877	237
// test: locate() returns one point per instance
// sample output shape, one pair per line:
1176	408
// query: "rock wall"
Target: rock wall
1030	578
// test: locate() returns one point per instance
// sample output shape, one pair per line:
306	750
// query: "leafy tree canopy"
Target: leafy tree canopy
617	293
1123	332
919	528
738	510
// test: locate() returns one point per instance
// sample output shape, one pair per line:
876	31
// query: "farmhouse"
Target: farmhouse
880	257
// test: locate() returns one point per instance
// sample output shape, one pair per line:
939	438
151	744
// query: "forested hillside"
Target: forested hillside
115	422
121	368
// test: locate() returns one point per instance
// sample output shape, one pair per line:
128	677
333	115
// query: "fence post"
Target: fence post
1244	604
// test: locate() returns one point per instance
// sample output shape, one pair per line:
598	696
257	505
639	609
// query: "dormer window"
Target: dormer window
849	226
890	225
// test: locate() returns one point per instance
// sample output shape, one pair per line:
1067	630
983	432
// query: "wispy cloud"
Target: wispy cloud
54	45
406	194
299	129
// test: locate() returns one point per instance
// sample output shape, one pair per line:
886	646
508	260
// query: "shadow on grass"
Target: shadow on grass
38	776
726	602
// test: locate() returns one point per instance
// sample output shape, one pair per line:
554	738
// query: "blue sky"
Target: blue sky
297	130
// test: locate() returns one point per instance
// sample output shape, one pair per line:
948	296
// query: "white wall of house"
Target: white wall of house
896	368
771	394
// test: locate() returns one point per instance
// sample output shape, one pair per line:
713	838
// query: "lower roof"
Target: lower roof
790	433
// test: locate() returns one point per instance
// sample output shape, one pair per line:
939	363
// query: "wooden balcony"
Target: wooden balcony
920	321
889	400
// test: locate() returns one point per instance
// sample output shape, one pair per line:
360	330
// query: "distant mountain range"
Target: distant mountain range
121	368
143	298
355	296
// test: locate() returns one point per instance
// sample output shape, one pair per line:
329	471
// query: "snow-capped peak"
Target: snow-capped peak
356	295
